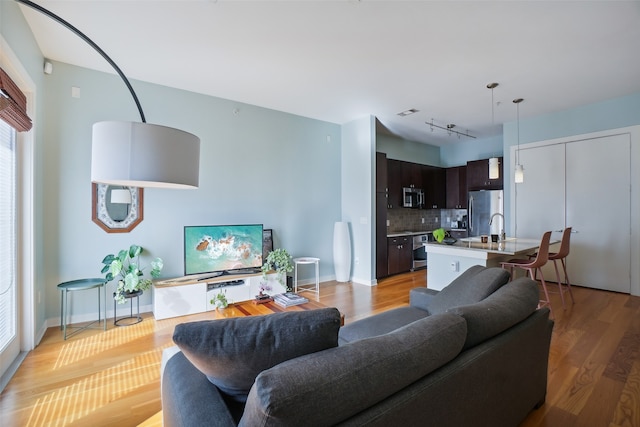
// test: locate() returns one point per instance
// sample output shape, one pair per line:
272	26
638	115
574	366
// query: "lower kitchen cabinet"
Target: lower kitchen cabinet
399	252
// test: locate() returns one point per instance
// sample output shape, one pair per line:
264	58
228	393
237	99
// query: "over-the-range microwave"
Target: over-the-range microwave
412	197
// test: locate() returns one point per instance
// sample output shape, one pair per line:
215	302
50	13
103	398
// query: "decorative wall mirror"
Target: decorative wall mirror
116	209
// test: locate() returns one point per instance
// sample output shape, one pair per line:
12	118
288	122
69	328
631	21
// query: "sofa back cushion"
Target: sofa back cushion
474	285
327	387
506	307
232	352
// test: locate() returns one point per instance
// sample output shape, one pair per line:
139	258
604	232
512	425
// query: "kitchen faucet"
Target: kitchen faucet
503	235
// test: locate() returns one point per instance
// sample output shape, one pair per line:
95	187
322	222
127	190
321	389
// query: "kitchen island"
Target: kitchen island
446	262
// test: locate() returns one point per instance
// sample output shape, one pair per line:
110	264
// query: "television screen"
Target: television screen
222	248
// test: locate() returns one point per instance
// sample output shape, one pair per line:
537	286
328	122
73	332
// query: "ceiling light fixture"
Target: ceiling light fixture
450	129
408	112
137	154
519	174
494	163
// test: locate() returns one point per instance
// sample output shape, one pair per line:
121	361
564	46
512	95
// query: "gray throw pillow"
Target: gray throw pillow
507	306
232	352
474	285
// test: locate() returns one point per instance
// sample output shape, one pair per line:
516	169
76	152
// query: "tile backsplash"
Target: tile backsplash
403	219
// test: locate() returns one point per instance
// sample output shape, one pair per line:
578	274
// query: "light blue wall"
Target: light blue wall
610	114
256	166
461	152
358	185
408	151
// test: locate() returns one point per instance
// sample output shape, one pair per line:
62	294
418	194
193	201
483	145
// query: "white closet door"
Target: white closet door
598	179
540	199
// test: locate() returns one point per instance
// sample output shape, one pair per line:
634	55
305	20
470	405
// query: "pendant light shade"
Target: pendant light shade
134	154
519	172
519	175
494	168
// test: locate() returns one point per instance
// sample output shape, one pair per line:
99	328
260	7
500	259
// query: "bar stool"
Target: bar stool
561	255
533	266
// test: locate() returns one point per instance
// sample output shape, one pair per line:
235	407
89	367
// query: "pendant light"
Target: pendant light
137	154
519	174
494	164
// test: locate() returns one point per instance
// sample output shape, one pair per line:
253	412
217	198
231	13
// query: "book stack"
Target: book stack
289	299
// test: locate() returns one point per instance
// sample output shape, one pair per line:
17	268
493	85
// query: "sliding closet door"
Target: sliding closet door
598	181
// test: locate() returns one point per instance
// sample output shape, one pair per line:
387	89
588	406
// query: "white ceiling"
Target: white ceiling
341	60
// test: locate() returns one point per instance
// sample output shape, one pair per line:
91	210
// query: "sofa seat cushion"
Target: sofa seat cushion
232	352
474	285
327	387
501	310
379	324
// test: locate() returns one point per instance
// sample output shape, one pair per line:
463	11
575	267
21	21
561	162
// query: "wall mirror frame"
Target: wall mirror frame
112	216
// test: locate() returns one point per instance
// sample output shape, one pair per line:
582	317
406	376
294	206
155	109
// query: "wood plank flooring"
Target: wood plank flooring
112	378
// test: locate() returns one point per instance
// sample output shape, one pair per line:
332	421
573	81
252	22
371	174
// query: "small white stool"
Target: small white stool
306	260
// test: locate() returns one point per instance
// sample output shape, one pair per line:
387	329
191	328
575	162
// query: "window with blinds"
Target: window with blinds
7	234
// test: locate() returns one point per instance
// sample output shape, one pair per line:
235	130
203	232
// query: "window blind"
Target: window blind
7	234
13	104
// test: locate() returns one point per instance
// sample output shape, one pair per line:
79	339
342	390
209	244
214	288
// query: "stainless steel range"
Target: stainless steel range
419	253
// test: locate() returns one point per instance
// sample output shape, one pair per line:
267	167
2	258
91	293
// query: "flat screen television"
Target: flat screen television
222	249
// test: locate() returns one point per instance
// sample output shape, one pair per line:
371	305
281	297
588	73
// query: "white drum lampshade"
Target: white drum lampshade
136	154
122	196
342	251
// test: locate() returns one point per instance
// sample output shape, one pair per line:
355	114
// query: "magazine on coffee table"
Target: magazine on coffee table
289	299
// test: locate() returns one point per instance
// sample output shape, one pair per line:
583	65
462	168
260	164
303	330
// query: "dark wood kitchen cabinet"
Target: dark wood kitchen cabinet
456	187
399	254
434	186
382	267
411	175
394	184
478	176
381	173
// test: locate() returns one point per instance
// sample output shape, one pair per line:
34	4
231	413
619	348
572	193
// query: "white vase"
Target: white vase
342	251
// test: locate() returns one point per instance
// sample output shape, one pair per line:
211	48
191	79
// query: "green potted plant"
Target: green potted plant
126	267
279	261
220	300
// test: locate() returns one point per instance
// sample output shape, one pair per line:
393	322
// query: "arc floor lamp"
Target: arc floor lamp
137	154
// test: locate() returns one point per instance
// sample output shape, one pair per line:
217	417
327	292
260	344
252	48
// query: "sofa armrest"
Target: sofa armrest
420	297
188	398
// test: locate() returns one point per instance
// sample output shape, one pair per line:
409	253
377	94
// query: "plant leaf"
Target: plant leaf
135	251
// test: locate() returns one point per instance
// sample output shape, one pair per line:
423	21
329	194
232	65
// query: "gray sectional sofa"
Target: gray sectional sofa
473	354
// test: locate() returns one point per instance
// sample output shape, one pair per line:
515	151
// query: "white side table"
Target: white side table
306	260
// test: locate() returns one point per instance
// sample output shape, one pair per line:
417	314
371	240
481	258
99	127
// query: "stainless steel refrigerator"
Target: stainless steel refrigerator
482	205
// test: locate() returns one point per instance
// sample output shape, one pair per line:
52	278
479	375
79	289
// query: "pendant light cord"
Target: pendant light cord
90	43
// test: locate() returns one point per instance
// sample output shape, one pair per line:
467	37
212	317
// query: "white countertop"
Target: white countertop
474	249
408	233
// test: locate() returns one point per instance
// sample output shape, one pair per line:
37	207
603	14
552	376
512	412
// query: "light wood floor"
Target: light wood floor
112	378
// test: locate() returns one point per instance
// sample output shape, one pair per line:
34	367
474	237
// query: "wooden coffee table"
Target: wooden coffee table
249	308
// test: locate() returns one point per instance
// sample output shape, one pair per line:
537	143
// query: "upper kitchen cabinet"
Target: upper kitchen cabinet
478	176
411	175
434	186
456	187
394	183
381	173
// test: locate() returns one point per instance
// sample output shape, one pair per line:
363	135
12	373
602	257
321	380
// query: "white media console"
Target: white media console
192	294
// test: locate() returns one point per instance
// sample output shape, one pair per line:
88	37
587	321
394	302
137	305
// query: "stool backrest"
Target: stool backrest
564	244
543	251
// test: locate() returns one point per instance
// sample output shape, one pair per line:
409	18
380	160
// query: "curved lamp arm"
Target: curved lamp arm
90	43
